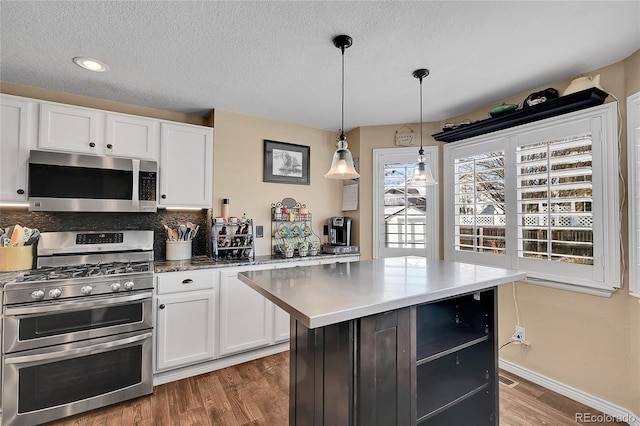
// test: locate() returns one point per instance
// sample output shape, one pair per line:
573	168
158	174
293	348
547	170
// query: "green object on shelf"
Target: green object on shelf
502	109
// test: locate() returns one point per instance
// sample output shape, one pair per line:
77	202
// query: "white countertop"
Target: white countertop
328	294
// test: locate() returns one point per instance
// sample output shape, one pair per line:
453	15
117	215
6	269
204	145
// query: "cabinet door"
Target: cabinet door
185	329
131	137
246	317
15	116
186	165
70	129
281	325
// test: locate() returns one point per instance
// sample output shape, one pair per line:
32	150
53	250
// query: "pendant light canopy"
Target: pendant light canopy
342	164
422	173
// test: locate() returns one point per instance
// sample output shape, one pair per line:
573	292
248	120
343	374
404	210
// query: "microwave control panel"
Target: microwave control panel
147	186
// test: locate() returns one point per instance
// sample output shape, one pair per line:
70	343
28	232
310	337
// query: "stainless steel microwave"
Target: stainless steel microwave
86	183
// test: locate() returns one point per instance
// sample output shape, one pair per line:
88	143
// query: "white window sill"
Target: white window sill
576	288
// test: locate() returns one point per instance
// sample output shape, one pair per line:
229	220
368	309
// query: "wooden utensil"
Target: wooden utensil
16	236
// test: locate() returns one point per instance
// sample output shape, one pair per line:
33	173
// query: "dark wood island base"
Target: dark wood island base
428	364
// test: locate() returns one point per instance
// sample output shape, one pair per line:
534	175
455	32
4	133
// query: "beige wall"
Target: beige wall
238	165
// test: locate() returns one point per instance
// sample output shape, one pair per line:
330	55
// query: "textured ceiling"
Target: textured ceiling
276	59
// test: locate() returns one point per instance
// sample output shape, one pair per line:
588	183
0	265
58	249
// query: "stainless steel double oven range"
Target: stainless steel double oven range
78	330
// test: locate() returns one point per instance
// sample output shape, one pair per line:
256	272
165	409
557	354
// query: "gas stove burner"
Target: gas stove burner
82	271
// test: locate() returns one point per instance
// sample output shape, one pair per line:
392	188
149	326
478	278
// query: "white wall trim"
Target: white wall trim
609	408
633	180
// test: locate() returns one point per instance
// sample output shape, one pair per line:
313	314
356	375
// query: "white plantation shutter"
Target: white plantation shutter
555	198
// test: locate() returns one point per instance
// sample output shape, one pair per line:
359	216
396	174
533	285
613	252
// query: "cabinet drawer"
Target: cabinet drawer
178	282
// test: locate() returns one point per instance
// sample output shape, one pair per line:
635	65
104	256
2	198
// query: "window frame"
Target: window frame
602	122
633	179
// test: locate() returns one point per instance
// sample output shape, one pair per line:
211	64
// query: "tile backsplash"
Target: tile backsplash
68	221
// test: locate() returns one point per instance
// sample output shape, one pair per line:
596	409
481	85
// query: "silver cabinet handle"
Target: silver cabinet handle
79	351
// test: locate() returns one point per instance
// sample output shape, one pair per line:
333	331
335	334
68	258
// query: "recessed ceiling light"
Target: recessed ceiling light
90	64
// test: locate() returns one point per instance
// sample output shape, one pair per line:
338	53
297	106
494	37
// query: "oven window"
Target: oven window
62	382
79	182
68	322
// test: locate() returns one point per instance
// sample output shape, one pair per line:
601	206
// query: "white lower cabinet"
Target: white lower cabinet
185	326
208	319
246	317
281	325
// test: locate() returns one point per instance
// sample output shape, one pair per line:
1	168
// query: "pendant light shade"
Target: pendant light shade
342	164
422	173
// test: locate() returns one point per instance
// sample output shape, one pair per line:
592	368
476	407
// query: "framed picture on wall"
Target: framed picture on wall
286	163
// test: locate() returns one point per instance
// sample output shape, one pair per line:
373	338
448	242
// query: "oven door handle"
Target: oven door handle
70	353
74	305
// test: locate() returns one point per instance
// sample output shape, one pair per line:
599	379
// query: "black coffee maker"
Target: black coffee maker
340	231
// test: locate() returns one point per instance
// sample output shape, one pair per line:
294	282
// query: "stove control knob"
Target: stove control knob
86	289
128	285
115	287
37	294
55	293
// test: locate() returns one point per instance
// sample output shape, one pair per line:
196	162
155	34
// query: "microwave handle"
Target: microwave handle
135	199
64	354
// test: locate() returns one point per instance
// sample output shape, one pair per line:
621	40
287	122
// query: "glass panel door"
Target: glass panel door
405	214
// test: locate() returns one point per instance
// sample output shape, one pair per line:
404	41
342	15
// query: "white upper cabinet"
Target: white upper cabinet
88	131
186	165
16	133
131	137
71	129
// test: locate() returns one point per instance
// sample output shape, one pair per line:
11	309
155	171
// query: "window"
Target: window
633	154
540	197
479	203
405	216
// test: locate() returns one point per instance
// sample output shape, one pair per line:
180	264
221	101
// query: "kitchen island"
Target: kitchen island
397	341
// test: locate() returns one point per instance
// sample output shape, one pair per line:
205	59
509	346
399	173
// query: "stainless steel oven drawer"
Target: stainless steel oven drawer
54	382
47	324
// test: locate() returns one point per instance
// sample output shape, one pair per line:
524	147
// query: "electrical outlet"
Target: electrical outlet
519	334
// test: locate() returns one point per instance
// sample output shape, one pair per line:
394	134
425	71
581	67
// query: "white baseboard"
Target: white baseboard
606	407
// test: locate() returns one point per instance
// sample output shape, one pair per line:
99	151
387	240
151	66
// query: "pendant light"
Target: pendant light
422	173
342	164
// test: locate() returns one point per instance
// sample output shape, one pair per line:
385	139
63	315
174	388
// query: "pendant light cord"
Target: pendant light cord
421	150
342	129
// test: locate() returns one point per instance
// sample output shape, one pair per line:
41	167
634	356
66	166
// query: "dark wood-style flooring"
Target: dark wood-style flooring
256	393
